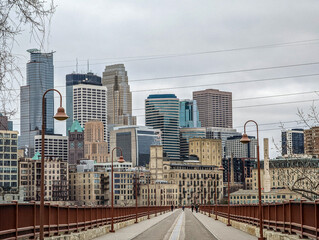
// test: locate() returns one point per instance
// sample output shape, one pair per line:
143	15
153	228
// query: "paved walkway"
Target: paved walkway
178	225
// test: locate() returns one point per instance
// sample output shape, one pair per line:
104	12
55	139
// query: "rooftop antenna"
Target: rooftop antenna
88	65
77	65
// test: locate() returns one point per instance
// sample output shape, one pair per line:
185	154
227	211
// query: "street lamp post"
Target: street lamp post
121	160
228	222
136	178
216	201
246	140
148	196
60	115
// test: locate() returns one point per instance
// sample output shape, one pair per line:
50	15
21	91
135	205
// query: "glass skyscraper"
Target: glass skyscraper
162	112
40	77
188	115
76	79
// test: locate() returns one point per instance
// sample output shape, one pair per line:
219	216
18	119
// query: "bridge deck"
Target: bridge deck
179	225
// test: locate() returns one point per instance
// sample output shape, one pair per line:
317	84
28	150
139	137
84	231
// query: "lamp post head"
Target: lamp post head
244	139
121	159
61	115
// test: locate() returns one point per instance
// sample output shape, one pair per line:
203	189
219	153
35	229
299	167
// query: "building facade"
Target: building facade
215	108
162	112
292	142
239	150
95	148
89	103
208	151
75	79
55	178
221	133
119	96
311	141
185	134
8	160
135	142
76	143
40	77
55	146
188	114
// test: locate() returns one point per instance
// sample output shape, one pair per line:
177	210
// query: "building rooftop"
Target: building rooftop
154	96
76	126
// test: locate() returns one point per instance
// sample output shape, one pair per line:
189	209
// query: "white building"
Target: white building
55	146
89	103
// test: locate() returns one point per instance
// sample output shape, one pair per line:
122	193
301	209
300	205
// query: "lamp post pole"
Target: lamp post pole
228	222
136	196
121	160
245	139
216	201
60	115
148	196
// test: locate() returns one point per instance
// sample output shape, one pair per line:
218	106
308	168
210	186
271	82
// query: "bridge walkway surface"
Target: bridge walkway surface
178	225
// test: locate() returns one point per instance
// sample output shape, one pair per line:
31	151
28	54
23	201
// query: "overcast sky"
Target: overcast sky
106	32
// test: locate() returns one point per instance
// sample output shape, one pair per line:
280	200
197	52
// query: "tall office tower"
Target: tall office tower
215	108
95	148
221	133
162	112
75	79
5	124
56	146
40	78
8	159
185	134
119	96
89	103
135	142
239	150
292	142
76	143
188	115
311	139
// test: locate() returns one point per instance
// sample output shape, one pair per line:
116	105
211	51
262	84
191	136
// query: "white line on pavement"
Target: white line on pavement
177	229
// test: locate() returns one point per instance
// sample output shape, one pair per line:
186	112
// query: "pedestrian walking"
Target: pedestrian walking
192	207
172	208
183	207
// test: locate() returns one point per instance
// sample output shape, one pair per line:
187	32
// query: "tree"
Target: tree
14	17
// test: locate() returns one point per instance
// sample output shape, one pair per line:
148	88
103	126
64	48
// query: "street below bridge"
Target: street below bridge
178	225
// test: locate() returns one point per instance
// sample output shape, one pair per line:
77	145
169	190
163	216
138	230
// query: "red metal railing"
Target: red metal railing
22	220
294	217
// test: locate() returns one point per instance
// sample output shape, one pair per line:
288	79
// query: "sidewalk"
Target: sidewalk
134	229
221	231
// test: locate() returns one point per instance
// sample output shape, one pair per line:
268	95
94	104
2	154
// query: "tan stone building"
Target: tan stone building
289	173
89	188
251	196
195	182
208	151
95	147
55	179
311	141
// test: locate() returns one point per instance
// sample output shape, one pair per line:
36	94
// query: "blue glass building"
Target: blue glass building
75	79
40	77
292	142
188	115
162	112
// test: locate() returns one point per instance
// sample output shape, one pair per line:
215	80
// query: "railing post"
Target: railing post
58	216
275	216
77	218
91	217
68	217
34	218
16	217
84	211
316	218
290	227
49	215
301	218
283	216
268	216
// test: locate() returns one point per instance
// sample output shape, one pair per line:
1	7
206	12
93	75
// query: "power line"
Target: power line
172	55
226	72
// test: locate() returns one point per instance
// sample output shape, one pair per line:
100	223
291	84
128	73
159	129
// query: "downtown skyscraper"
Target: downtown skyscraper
119	96
40	77
215	108
162	112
